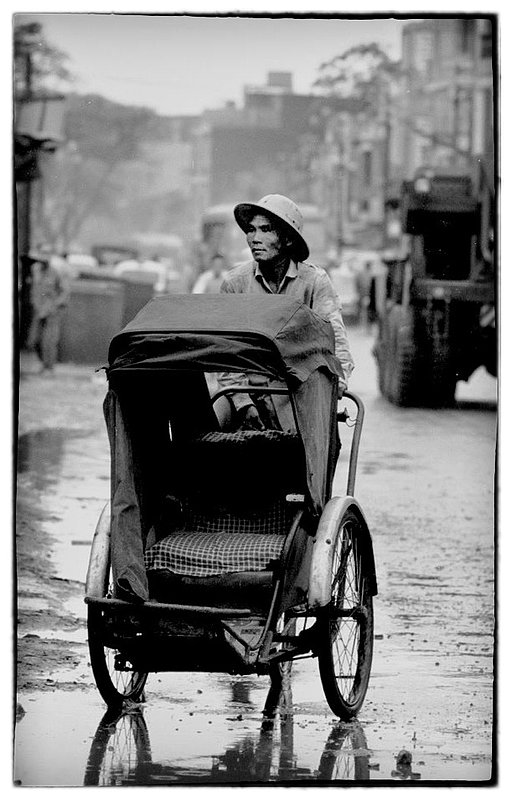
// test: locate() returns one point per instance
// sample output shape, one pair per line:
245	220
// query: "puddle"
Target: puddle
209	729
40	453
68	472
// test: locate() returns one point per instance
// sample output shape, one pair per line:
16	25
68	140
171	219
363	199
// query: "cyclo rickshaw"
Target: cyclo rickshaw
223	550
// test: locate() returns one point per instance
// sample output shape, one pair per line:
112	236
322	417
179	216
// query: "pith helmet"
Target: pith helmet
284	210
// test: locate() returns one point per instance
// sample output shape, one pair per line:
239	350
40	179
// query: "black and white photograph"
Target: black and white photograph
241	236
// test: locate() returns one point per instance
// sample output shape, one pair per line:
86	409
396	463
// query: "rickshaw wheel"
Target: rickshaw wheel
346	628
115	676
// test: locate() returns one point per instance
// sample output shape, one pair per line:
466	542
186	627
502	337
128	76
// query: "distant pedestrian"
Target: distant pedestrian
364	286
211	280
49	297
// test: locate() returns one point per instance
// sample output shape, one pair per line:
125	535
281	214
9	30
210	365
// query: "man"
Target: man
49	296
273	228
211	280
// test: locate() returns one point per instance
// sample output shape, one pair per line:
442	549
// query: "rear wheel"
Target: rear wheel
346	628
115	674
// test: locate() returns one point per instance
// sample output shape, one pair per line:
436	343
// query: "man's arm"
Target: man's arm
241	401
326	303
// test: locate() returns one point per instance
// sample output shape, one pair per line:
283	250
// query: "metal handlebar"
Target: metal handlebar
343	416
249	390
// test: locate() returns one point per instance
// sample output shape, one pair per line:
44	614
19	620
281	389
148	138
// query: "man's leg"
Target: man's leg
224	413
39	334
222	407
50	340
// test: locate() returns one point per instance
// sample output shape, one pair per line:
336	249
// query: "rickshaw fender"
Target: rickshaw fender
323	549
97	571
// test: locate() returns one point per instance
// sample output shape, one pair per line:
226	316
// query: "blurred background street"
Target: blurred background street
135	136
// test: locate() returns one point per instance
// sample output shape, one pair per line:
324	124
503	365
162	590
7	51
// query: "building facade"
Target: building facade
448	102
436	110
244	153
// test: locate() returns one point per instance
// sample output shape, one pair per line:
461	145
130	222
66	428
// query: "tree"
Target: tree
356	74
39	69
361	75
38	66
101	137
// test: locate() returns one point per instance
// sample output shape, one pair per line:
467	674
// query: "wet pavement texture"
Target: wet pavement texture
425	482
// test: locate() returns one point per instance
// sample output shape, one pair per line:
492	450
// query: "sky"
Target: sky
184	64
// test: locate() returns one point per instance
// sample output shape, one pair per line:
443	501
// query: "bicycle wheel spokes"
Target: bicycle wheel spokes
347	626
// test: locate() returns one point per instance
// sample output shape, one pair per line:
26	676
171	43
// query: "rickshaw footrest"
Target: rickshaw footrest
152	605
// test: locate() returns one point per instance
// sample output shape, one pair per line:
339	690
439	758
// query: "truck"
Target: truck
437	324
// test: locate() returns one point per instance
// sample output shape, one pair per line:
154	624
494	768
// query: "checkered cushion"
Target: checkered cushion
202	554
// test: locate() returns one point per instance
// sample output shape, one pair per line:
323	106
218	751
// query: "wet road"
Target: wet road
425	482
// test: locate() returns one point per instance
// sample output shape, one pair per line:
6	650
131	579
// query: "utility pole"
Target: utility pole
38	126
386	159
23	192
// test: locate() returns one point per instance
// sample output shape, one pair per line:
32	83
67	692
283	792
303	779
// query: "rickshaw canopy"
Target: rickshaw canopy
272	335
156	369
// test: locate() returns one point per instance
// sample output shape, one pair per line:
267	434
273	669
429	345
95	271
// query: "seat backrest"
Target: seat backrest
238	481
248	468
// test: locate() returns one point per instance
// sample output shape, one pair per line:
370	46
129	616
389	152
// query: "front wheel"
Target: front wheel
115	674
346	626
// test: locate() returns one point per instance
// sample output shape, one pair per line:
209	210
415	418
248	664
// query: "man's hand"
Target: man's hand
250	419
341	389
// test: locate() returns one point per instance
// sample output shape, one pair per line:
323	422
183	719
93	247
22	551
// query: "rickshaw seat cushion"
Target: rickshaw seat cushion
203	554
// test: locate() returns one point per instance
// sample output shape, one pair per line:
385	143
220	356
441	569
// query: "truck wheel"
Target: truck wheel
401	376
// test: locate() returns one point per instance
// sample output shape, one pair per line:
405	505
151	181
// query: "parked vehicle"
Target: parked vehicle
437	325
108	255
220	233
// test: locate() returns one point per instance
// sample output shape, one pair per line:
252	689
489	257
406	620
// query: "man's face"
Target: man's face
265	240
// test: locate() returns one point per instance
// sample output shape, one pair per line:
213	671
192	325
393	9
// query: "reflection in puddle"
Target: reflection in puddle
62	487
403	769
120	754
40	453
